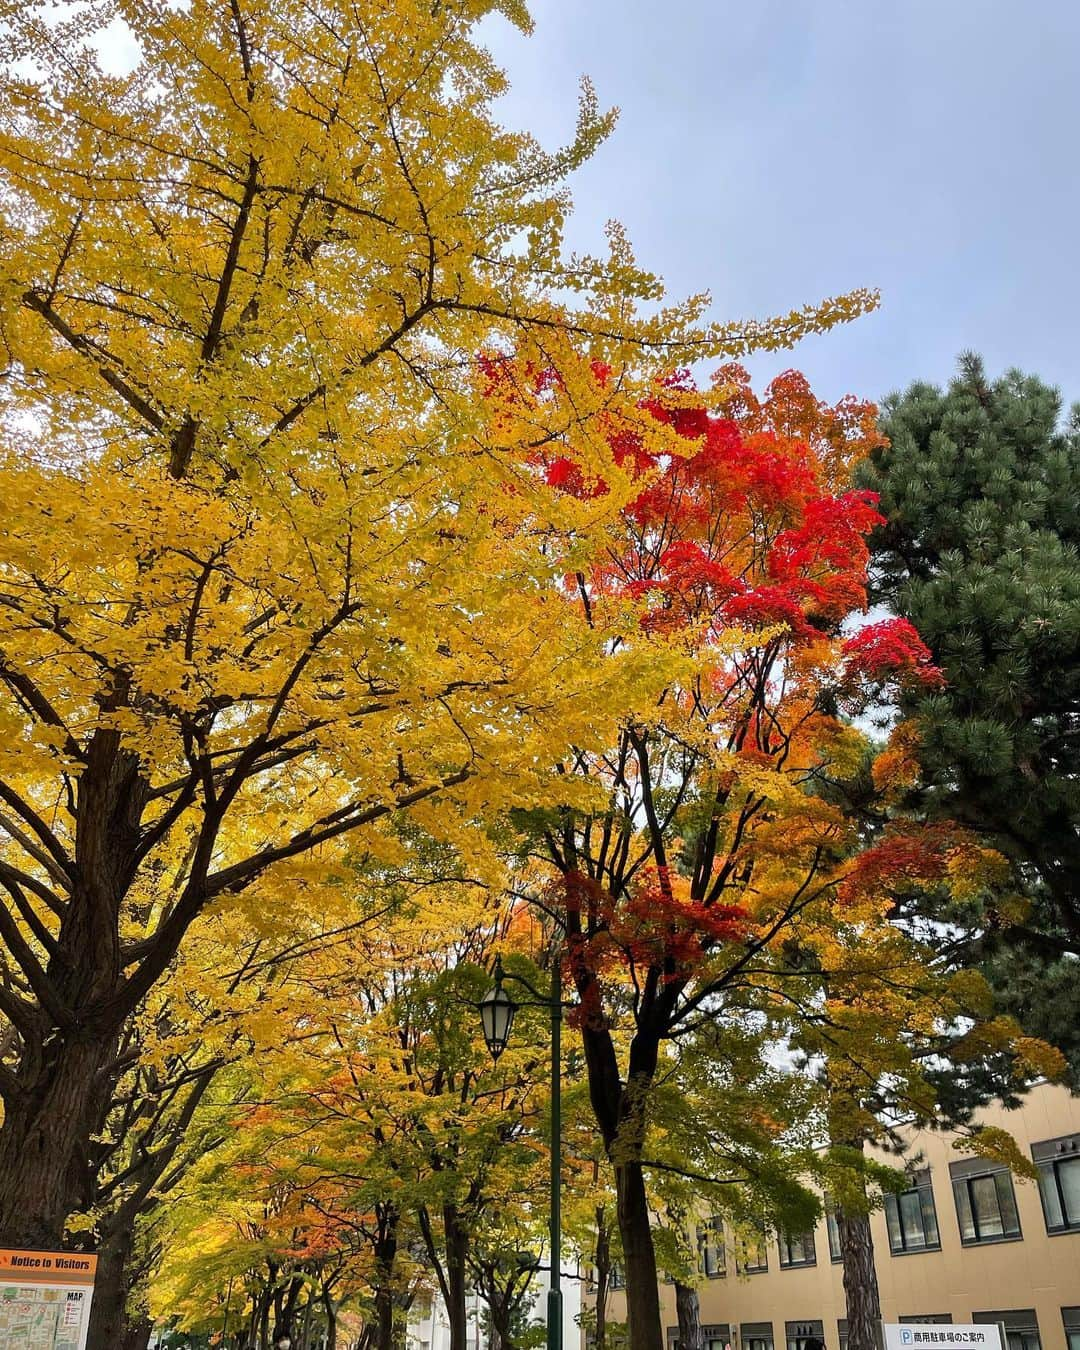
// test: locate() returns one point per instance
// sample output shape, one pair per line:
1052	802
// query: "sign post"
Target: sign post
943	1336
45	1299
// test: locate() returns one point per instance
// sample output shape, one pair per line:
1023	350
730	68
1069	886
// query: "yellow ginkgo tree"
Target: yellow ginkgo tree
277	558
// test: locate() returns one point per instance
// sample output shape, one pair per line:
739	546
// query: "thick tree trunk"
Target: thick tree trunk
62	1082
688	1311
43	1133
860	1280
635	1229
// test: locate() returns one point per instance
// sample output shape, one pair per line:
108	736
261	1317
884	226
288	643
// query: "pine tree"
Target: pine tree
980	486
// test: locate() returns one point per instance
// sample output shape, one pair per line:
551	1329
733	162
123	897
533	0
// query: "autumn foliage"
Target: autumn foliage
736	550
361	544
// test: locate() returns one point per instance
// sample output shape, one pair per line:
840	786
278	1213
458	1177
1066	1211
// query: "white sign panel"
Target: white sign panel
942	1336
45	1299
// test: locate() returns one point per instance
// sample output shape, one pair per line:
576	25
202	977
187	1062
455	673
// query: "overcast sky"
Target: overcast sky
776	151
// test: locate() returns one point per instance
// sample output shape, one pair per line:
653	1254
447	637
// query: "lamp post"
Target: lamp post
497	1011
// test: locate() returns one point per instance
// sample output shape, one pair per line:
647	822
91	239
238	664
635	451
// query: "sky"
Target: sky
774	152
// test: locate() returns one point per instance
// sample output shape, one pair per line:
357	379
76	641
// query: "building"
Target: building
966	1242
429	1328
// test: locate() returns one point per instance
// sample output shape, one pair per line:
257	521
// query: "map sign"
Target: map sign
45	1299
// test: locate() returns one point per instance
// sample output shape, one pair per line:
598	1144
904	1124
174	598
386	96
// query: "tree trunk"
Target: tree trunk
43	1133
456	1237
253	1324
384	1317
642	1290
603	1273
137	1335
386	1249
107	1309
860	1280
620	1111
331	1320
62	1081
112	1323
305	1330
688	1310
264	1320
285	1309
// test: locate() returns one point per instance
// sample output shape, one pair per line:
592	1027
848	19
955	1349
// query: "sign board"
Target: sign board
942	1336
45	1299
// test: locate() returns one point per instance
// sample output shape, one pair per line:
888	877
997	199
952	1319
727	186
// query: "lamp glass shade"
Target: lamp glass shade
497	1010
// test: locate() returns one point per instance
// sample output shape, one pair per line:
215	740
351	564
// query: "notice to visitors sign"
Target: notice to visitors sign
942	1336
45	1299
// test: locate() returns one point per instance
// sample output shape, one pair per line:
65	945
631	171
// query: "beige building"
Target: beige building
967	1242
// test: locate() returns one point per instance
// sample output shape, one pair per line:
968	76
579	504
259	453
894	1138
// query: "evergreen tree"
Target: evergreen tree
980	487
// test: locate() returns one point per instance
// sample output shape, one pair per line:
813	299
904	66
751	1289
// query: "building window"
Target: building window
1059	1182
985	1203
756	1336
1071	1318
753	1255
833	1230
796	1249
1021	1327
911	1217
716	1336
616	1279
927	1319
841	1332
801	1334
711	1255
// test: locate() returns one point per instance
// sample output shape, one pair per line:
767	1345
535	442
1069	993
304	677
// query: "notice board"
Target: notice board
45	1299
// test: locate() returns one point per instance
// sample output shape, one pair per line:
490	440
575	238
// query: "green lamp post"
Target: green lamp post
497	1011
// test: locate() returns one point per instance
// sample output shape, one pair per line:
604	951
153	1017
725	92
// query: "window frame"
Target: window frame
1021	1323
1070	1321
832	1225
716	1334
965	1174
753	1331
743	1267
1048	1156
710	1237
923	1188
799	1331
783	1247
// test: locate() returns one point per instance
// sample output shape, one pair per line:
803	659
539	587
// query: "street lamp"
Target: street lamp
497	1011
